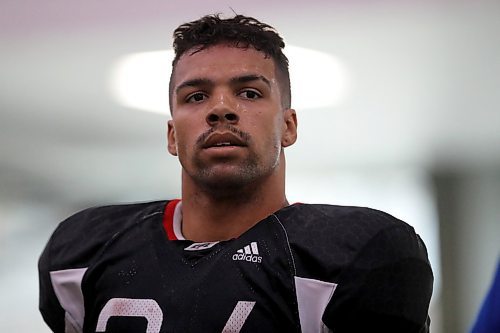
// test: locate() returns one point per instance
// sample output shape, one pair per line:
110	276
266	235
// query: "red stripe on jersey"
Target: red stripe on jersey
168	219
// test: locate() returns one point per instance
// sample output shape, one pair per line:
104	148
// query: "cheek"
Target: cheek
182	137
268	131
182	142
276	125
264	121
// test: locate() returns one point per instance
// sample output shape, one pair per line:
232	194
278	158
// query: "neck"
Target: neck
209	217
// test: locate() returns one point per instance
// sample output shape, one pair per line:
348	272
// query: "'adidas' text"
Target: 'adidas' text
249	253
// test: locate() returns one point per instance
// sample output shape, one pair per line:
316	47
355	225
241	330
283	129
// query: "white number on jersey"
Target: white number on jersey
129	307
151	311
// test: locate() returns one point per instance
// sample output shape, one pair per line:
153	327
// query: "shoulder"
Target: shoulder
106	220
78	238
336	237
358	224
378	264
110	216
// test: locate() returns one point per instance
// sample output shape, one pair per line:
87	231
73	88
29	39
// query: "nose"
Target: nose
223	111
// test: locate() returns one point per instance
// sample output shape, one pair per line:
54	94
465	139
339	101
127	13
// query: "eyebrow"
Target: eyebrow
193	83
207	82
250	78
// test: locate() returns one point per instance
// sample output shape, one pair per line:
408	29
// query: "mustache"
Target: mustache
244	136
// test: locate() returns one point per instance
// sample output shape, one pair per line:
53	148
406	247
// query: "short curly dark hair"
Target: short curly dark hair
239	31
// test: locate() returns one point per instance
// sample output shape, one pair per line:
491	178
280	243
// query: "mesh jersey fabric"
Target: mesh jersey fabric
133	278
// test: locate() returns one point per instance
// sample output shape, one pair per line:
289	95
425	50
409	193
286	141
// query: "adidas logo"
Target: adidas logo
249	253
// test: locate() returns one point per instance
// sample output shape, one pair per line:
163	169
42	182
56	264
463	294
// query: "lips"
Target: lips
218	140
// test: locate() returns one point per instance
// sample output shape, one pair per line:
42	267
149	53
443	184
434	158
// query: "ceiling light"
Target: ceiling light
140	80
318	79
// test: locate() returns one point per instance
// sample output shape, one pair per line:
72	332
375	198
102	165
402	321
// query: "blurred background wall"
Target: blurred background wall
415	132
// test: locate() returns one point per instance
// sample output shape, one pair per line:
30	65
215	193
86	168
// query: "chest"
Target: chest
144	283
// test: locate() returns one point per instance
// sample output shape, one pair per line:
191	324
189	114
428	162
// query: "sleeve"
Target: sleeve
386	288
61	267
71	250
49	306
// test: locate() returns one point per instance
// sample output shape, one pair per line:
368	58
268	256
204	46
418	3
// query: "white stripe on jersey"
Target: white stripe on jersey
312	298
67	286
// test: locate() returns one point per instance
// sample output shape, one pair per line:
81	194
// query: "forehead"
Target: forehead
223	61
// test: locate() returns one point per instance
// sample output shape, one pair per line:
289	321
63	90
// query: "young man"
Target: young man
233	255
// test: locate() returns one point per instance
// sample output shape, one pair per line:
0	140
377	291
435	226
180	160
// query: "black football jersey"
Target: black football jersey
305	268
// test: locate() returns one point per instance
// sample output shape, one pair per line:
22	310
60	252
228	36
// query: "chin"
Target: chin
228	181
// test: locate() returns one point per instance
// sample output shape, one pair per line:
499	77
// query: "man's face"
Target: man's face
228	126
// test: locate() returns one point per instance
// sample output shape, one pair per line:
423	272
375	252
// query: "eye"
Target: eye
250	94
196	97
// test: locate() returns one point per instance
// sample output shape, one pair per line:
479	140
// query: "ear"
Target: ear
172	143
289	135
